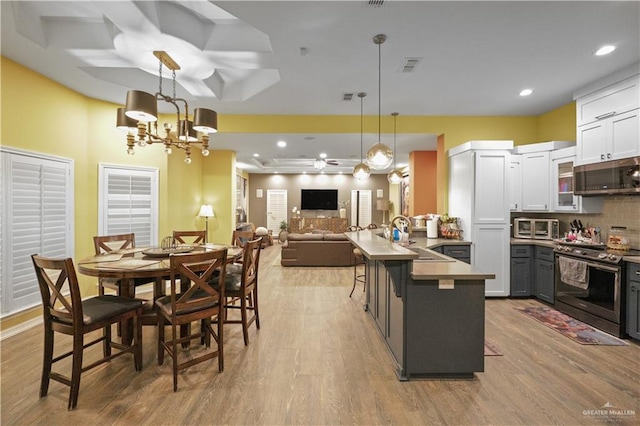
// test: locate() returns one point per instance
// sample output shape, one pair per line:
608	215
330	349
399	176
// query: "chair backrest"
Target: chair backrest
372	226
59	289
198	270
107	243
240	238
354	228
250	263
192	237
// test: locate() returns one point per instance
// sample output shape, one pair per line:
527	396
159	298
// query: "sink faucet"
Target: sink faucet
399	218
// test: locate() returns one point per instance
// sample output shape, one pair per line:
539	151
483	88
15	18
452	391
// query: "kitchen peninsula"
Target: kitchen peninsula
428	308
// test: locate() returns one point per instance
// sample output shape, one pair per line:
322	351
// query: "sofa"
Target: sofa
317	249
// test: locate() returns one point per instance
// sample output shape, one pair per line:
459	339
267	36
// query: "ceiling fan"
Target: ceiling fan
321	163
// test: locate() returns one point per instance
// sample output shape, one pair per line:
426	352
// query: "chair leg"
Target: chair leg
243	314
255	307
137	340
220	340
47	361
174	355
106	343
355	275
76	370
160	339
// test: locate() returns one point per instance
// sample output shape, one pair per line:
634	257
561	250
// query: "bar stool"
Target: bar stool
358	277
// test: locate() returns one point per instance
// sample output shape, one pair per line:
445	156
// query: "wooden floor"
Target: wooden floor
318	360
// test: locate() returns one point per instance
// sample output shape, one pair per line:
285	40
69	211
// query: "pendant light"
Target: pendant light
395	175
361	171
379	156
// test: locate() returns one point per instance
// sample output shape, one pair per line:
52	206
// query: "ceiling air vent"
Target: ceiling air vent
347	96
409	64
376	3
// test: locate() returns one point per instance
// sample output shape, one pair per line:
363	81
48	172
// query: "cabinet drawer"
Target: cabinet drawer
616	99
457	251
633	272
544	253
521	251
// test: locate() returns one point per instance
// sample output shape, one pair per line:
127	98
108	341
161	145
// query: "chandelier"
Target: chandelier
361	171
379	156
395	175
140	118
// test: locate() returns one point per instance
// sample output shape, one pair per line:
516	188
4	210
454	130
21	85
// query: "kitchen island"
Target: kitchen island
428	307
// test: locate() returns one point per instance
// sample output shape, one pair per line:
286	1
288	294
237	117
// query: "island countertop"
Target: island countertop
374	247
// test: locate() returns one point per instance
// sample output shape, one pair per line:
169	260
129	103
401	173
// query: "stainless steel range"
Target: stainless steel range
589	286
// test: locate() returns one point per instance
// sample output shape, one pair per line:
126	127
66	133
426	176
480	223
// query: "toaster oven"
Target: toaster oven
539	229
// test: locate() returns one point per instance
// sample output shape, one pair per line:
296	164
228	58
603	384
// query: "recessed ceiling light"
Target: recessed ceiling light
605	50
323	155
282	144
526	92
256	155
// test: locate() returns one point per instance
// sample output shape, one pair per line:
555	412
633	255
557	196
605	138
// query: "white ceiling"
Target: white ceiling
242	57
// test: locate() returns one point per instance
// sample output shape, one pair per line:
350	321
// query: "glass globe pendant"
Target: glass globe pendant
379	156
361	171
395	175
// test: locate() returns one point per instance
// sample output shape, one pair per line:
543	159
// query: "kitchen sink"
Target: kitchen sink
430	256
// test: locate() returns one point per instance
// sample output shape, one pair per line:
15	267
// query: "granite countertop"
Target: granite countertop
375	247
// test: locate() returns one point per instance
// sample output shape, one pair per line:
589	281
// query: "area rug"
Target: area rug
571	327
491	350
276	261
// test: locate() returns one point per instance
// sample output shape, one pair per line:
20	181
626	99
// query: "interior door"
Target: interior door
276	209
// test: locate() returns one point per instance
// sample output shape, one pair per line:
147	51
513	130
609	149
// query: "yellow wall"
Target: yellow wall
41	115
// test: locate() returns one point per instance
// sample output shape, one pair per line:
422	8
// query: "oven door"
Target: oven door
602	295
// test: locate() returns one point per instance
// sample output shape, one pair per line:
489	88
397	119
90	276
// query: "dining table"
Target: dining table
127	265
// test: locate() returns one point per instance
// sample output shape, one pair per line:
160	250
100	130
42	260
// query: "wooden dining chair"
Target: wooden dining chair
192	299
189	237
239	238
66	312
243	287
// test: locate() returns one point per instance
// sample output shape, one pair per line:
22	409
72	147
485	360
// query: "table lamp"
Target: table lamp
384	206
206	211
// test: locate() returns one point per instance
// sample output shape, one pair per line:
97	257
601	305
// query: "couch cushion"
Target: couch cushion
305	237
335	237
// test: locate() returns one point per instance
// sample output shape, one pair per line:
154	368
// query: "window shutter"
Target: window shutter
276	209
362	217
37	218
129	203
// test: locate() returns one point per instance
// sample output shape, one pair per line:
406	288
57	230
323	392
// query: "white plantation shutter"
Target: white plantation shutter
129	203
37	218
276	209
364	218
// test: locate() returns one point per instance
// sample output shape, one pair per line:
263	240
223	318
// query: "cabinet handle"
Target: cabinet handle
608	114
633	289
638	273
574	206
608	156
602	156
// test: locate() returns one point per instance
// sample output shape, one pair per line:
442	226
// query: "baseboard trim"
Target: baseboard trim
12	331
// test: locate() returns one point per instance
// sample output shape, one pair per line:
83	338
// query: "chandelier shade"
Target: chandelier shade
187	133
205	120
125	123
379	156
141	106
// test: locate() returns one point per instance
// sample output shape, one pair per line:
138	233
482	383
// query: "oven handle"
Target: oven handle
598	266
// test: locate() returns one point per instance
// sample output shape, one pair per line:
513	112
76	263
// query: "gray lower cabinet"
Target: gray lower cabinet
544	274
521	271
633	300
430	332
459	252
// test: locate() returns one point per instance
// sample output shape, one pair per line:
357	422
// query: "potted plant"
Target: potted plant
282	236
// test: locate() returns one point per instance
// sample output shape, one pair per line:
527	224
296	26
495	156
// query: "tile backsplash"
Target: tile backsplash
616	211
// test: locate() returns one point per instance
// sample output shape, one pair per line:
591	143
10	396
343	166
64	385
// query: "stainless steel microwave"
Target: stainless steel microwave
539	229
608	177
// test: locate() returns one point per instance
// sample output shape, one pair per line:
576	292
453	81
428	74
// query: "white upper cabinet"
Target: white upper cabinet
515	183
609	123
535	181
562	185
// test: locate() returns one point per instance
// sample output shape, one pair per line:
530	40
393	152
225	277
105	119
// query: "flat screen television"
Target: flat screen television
319	199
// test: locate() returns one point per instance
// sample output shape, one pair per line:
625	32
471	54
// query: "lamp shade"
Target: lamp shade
383	205
125	123
141	106
206	211
186	131
205	120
